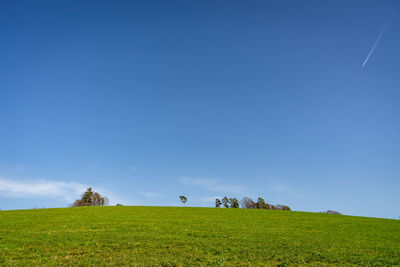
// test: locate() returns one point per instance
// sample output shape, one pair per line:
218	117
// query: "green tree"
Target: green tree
87	196
260	203
225	202
234	203
218	203
183	199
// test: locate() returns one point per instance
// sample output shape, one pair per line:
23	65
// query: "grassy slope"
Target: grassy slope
193	236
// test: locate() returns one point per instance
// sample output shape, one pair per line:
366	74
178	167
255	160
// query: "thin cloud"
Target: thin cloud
40	188
212	185
378	39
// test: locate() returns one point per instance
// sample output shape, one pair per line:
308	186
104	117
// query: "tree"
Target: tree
218	203
267	206
183	199
98	200
248	203
87	196
282	207
225	202
90	198
234	203
260	203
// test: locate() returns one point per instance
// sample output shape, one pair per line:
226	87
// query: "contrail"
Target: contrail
379	38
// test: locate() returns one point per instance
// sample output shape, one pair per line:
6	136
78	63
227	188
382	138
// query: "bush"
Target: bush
332	212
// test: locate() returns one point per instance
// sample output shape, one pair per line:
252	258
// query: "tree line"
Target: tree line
91	198
248	203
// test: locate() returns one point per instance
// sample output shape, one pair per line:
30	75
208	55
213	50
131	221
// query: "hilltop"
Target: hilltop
193	236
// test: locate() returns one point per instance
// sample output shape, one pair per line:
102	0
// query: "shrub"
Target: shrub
332	212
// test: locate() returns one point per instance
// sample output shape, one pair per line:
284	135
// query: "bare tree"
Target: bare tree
98	200
248	203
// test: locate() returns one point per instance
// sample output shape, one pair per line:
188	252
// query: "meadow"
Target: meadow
178	236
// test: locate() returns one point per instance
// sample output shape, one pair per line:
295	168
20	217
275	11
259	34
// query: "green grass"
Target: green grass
172	236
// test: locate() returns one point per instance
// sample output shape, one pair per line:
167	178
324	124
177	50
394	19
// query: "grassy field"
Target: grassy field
172	236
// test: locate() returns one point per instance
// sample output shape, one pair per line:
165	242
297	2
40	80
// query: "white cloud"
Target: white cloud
212	185
40	188
67	191
150	195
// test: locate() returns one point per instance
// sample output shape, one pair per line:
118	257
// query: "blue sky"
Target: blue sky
147	100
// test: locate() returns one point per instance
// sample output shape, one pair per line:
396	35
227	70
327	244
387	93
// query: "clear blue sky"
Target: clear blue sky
147	100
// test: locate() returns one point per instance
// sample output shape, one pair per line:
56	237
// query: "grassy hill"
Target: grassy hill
193	236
